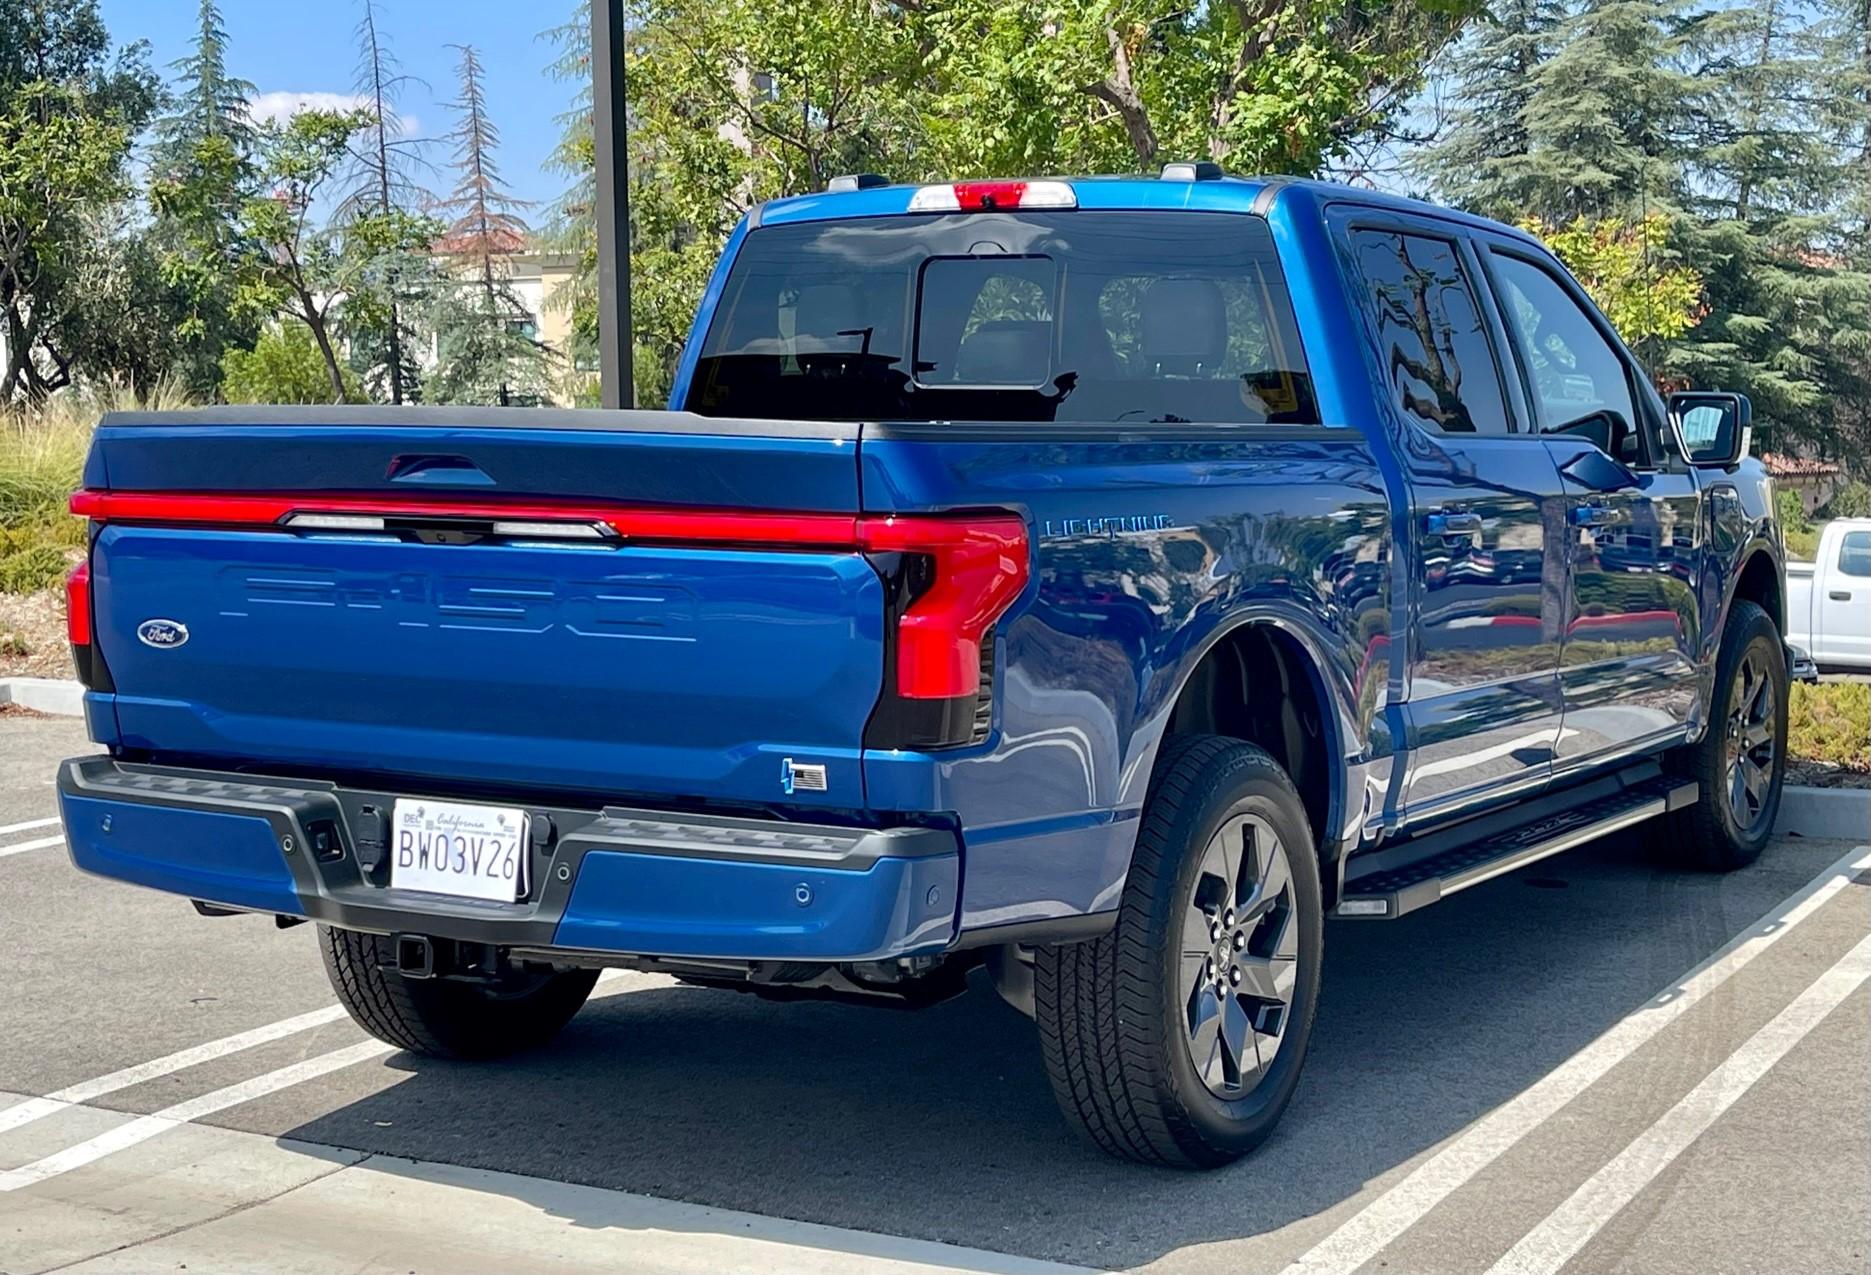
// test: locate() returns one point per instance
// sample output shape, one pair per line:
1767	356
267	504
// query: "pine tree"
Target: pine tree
202	173
209	103
1608	113
484	352
379	212
1767	184
1481	163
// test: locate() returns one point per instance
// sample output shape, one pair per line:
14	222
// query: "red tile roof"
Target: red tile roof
1781	465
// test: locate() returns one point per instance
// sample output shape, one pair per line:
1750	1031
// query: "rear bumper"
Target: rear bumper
634	882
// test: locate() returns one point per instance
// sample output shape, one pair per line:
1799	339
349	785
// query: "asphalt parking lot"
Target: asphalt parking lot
1594	1065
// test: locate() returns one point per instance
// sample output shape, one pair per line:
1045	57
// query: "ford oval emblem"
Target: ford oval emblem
162	634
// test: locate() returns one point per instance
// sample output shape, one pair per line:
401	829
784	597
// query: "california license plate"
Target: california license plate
446	847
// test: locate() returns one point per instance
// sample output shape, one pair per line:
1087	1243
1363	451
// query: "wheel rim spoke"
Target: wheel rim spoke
1237	1038
1750	748
1237	959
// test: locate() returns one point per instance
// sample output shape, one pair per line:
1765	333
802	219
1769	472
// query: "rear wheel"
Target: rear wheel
1178	1038
442	1017
1740	762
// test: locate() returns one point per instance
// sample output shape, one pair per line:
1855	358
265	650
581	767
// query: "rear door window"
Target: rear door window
1430	333
1068	316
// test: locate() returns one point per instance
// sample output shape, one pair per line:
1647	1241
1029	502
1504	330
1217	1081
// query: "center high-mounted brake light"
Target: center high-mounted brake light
978	563
993	196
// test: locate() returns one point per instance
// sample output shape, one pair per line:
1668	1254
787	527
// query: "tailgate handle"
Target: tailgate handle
452	471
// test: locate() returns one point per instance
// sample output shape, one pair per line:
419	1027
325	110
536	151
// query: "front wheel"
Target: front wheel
1178	1037
1740	762
441	1017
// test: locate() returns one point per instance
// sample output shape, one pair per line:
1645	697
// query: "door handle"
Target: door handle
1592	516
1836	596
1453	524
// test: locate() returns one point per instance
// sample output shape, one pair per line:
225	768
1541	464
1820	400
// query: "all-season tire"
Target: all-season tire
1120	1021
1745	745
443	1018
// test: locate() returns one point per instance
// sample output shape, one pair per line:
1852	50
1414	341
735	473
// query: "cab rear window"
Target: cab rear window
1035	316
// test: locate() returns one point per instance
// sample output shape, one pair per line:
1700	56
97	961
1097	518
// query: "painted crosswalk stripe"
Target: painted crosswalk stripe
85	1090
143	1128
1551	1244
28	826
1368	1232
24	846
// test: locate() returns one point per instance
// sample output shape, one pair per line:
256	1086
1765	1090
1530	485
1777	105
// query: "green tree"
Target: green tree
303	271
1480	162
486	351
202	175
285	365
1626	268
68	114
738	101
380	205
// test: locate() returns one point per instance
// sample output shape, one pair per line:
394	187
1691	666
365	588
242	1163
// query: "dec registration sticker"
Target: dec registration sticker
445	847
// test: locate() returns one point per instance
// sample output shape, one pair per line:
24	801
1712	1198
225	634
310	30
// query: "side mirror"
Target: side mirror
1713	429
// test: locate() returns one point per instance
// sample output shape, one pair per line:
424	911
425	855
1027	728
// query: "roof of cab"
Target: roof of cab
1134	192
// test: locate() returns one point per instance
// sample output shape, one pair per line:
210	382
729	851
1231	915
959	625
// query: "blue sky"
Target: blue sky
290	50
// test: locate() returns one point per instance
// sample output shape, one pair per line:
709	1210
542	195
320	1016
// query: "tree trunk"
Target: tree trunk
1119	90
316	321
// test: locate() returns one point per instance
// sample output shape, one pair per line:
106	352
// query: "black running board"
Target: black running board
1394	891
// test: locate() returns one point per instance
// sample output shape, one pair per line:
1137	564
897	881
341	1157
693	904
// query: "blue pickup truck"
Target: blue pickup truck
1091	585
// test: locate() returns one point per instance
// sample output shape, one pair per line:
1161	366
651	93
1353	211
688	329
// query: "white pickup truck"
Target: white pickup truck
1829	599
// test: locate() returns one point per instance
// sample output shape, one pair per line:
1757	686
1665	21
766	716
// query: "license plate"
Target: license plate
445	847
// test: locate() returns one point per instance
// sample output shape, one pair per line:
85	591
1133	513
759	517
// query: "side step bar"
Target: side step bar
1393	891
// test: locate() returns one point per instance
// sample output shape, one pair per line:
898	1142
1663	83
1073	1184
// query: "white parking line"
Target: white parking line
28	825
24	846
1551	1244
143	1128
1369	1231
611	982
21	1113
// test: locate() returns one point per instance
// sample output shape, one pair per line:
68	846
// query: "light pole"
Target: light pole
613	206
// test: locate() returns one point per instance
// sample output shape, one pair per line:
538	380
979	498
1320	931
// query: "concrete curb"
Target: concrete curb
44	695
1841	813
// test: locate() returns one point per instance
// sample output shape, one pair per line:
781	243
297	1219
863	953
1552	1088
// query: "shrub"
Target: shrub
41	463
1831	722
1853	500
284	366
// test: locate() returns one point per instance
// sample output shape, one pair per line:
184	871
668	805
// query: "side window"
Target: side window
1575	372
1855	555
1436	354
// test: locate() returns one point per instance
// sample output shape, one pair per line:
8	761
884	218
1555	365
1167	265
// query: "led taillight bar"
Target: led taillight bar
980	561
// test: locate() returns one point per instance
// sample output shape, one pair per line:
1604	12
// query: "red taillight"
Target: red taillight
78	605
980	566
979	561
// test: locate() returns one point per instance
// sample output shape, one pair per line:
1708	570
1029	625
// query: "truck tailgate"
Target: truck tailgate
623	602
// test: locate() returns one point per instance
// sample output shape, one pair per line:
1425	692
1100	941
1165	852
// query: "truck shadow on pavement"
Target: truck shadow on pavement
939	1125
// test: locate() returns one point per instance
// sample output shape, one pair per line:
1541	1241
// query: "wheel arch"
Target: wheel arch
1263	679
1761	582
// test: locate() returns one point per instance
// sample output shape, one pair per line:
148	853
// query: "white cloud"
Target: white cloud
278	106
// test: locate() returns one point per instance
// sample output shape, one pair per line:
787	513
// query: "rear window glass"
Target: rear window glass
1067	316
